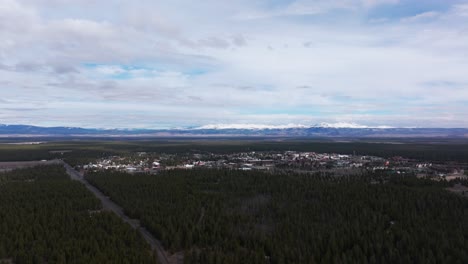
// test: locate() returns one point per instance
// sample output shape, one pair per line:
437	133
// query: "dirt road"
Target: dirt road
111	206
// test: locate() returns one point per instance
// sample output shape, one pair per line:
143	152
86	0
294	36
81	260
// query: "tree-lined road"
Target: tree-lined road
108	204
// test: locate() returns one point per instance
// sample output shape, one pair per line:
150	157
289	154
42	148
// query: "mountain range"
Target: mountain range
238	130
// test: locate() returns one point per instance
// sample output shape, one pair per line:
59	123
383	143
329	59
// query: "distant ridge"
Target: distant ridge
236	130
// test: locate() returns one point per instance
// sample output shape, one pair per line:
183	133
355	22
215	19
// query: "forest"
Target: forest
47	218
230	216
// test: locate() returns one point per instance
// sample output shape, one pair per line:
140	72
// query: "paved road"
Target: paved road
111	206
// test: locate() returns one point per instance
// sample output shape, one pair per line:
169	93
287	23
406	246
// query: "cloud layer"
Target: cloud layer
161	64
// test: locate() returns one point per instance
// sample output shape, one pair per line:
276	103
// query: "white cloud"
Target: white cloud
421	17
157	63
461	10
373	3
306	7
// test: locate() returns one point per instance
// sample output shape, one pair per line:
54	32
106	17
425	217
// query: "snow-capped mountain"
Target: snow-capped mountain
250	126
287	126
348	130
347	125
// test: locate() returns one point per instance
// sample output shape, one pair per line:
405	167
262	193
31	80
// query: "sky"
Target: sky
181	63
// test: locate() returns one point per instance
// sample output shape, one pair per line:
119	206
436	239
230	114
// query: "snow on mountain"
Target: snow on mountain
348	125
289	130
250	126
287	126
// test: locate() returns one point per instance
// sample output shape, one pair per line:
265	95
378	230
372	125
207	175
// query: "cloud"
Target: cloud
239	40
373	3
311	8
461	10
214	42
421	17
11	12
182	63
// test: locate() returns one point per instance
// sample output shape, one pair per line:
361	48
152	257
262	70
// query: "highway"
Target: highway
108	204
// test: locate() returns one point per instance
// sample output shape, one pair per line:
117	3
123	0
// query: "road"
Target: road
111	206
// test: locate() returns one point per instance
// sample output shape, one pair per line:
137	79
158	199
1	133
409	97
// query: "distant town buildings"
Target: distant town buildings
339	164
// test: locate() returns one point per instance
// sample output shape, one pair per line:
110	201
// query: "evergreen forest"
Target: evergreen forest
231	216
47	218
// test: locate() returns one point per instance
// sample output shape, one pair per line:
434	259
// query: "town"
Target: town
332	163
